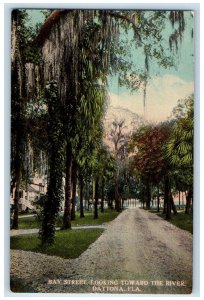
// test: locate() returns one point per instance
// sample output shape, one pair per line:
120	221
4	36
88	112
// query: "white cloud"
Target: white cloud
162	96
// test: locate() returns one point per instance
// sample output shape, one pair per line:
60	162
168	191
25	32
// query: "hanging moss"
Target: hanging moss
176	18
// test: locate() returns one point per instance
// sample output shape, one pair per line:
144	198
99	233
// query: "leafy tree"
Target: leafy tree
119	138
179	148
18	104
104	170
24	127
107	171
147	145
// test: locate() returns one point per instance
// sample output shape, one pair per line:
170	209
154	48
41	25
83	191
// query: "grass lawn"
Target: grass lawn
68	243
28	222
107	216
181	220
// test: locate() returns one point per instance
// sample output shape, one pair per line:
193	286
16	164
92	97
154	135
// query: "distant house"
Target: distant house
30	194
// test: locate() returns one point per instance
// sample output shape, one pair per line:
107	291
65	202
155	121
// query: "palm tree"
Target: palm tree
179	149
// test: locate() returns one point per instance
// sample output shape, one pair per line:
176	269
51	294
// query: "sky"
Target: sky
165	86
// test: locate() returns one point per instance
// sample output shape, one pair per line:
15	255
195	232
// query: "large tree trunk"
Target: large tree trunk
16	206
110	203
179	200
165	206
67	203
96	199
81	184
17	186
52	201
167	198
117	196
148	196
191	199
87	195
74	183
18	130
56	146
122	204
158	200
188	201
102	196
187	209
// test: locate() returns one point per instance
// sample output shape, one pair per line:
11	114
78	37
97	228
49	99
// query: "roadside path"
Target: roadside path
17	232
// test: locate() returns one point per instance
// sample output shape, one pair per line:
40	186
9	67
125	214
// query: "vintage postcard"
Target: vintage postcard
102	126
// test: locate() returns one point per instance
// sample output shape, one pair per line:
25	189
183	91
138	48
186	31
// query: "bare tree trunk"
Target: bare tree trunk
81	184
165	206
110	203
158	200
167	198
117	196
16	208
179	200
88	195
96	199
143	200
67	212
191	210
148	196
74	183
17	112
122	204
188	201
187	210
102	196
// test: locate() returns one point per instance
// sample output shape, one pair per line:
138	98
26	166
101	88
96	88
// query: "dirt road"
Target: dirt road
137	253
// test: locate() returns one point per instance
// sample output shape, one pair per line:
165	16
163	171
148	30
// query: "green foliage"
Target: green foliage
128	185
27	35
147	145
149	38
23	110
37	108
68	244
165	151
46	12
179	147
19	136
